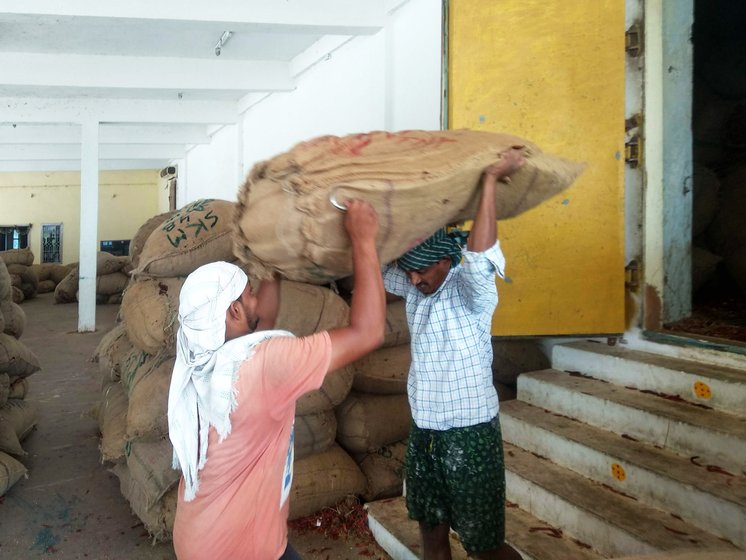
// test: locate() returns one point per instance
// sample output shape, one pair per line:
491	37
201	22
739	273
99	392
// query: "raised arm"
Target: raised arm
484	230
368	306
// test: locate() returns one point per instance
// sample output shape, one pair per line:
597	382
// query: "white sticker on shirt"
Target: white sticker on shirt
287	475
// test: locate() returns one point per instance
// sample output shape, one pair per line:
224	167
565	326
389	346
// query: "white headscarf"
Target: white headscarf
202	390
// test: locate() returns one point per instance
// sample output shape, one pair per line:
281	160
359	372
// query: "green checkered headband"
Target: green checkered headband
430	251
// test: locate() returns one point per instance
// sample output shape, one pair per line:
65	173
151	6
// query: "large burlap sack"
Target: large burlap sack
17	419
384	470
66	291
5	390
15	318
112	352
5	283
333	390
383	371
29	281
314	433
368	422
323	480
17	295
305	309
150	310
396	331
106	263
147	414
46	286
138	241
11	471
59	271
18	388
15	358
17	256
418	181
112	421
42	271
2	321
197	234
112	283
158	519
149	465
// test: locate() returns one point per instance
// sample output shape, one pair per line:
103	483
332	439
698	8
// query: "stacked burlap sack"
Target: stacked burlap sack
418	181
373	421
112	276
17	415
23	277
50	275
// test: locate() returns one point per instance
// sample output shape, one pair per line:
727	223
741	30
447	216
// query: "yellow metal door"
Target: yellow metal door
551	71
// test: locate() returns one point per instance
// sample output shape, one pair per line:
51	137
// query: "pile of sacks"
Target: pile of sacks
136	360
23	275
50	275
17	415
112	276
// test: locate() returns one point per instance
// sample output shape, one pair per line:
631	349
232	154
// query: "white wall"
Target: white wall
388	81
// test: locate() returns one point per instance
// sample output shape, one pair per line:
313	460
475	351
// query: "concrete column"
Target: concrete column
88	226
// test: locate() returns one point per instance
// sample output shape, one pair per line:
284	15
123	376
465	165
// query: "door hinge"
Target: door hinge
633	151
633	40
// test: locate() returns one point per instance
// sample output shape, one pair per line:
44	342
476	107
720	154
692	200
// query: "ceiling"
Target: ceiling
149	72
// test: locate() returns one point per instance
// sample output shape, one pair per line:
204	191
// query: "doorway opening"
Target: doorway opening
719	180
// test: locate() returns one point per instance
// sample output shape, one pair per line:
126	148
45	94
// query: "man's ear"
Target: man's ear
233	310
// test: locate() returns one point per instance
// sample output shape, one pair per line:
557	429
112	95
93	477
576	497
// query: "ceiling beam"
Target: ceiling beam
143	73
74	110
346	17
108	134
20	152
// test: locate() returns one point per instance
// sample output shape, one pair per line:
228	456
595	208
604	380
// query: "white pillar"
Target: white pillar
88	227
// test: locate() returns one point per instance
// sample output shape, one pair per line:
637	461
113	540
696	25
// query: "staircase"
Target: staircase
616	452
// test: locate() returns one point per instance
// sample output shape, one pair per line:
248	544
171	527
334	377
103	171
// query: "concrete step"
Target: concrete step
714	501
707	436
534	539
612	523
722	388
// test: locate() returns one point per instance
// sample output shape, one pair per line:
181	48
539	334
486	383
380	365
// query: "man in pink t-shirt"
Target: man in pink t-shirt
233	393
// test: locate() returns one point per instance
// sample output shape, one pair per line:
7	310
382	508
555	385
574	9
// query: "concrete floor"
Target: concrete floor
70	507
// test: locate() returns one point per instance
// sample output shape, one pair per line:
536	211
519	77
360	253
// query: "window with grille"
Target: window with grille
51	243
14	237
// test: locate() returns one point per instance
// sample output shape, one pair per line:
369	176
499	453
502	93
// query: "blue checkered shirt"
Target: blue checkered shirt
450	377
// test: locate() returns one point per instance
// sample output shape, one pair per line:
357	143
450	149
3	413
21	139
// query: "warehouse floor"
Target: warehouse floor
70	506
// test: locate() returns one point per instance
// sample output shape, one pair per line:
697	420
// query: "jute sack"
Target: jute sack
306	309
147	414
112	283
158	519
150	310
5	283
15	318
112	421
17	295
396	331
2	321
384	469
367	422
17	419
11	471
106	263
46	286
138	241
111	353
66	290
130	363
17	256
43	271
18	388
383	371
333	390
59	271
418	181
197	234
150	466
322	480
15	358
5	390
314	433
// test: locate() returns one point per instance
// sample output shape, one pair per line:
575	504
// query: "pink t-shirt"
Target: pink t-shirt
237	512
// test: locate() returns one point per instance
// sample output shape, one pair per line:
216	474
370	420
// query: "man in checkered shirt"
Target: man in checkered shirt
454	470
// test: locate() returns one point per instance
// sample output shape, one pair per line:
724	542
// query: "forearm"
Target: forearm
484	229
